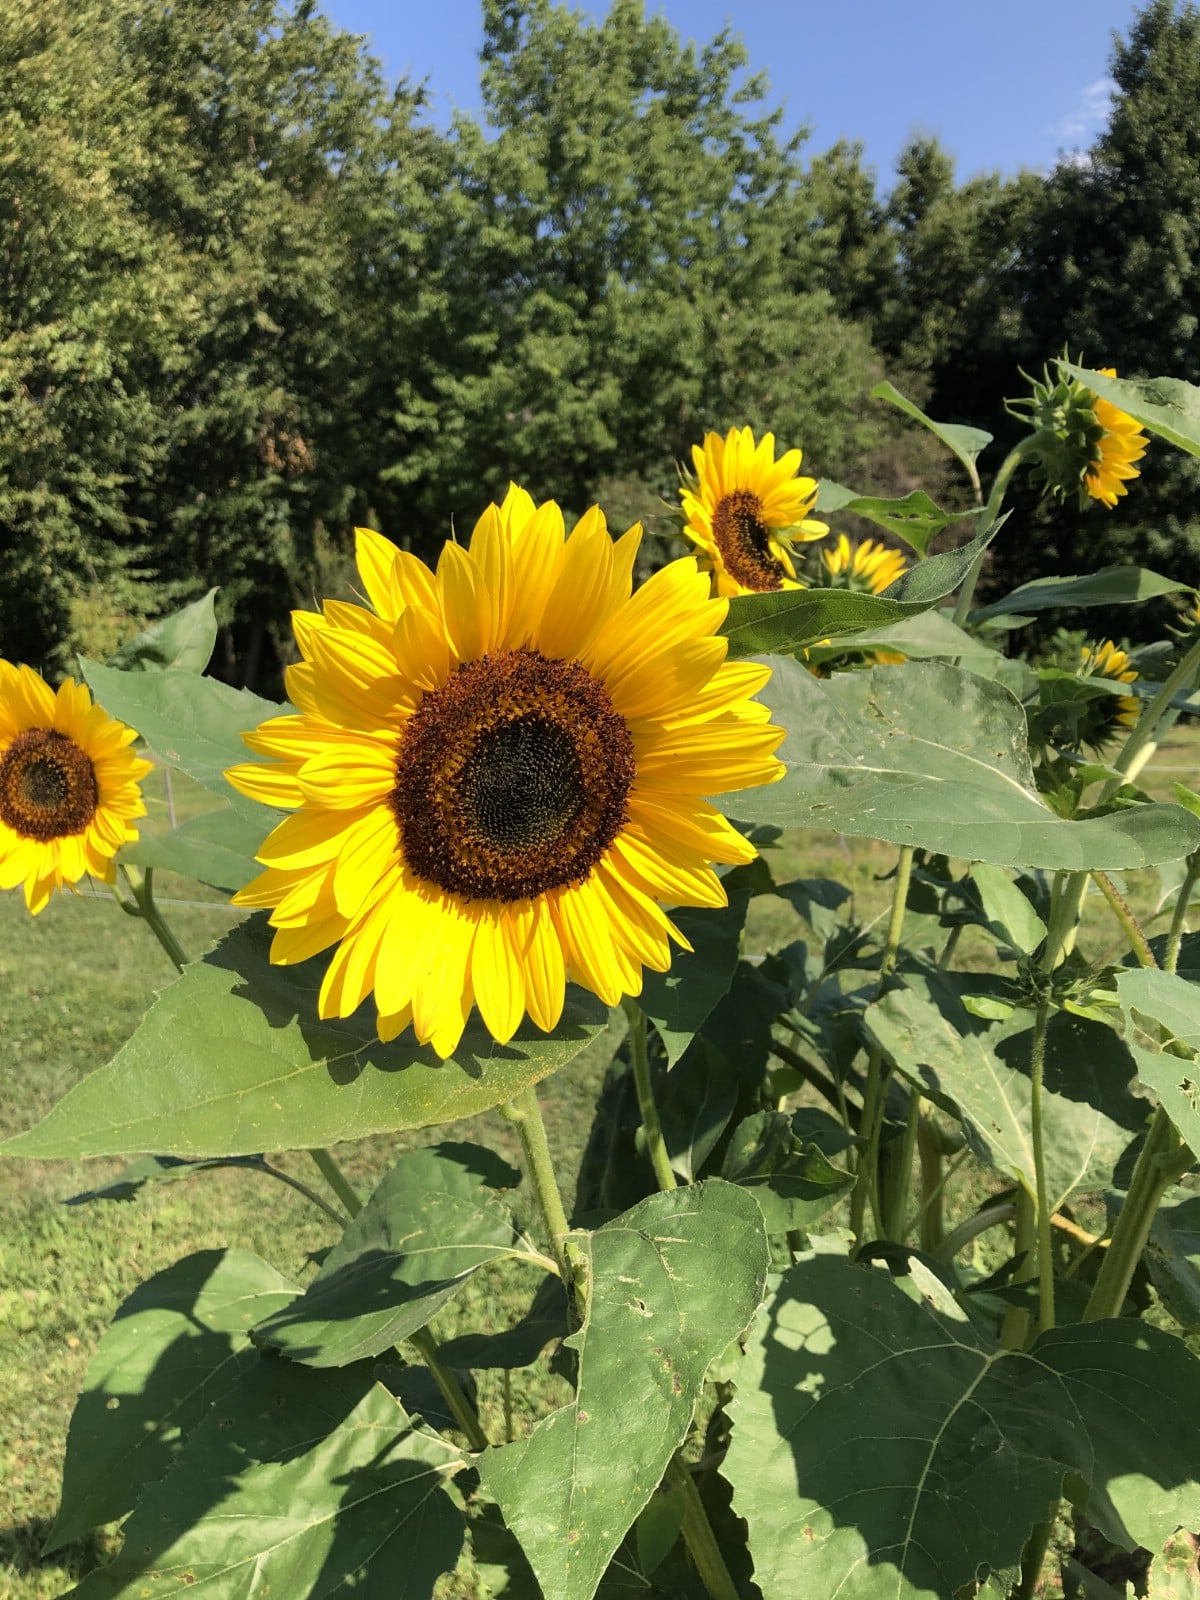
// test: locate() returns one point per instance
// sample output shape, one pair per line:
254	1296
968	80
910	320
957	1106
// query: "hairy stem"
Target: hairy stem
526	1115
1045	1243
1015	1333
1138	941
1163	1159
651	1126
698	1535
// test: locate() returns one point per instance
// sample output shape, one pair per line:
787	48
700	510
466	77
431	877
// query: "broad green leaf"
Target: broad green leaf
881	1449
1007	909
793	1182
299	1484
936	757
1173	1256
520	1345
130	1181
928	636
1167	406
678	1001
966	443
979	1070
217	848
1111	586
193	724
433	1220
788	619
231	1059
695	1102
174	1346
1174	1003
183	640
673	1282
915	518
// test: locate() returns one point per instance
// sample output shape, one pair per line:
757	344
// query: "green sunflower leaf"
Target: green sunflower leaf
915	518
300	1484
1173	1003
231	1059
966	443
216	848
174	1346
674	1281
434	1219
924	637
883	1448
1173	1256
193	724
793	1181
978	1069
786	620
1167	406
1111	586
183	640
928	755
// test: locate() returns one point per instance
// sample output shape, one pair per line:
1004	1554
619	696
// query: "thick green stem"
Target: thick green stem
1045	1243
823	1084
1010	464
961	1236
651	1126
1138	941
698	1535
1128	762
526	1114
930	1218
142	889
451	1391
1033	1559
1175	937
1163	1160
337	1180
1015	1333
899	1183
875	1093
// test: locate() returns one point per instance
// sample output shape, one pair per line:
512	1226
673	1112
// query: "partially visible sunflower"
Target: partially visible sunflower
1108	716
867	567
1120	444
498	773
746	510
69	785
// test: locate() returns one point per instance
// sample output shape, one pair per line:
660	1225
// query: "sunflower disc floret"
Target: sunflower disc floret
499	773
745	511
69	786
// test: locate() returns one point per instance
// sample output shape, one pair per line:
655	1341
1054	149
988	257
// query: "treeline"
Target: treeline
250	296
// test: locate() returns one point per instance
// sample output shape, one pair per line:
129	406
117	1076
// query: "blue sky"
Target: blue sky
1002	86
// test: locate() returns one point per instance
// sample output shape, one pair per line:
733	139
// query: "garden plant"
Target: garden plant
884	1257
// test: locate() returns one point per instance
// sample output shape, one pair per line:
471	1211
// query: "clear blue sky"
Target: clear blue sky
1002	85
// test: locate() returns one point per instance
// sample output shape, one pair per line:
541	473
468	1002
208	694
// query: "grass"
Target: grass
73	985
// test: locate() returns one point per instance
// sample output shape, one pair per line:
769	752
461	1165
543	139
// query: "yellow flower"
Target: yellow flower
1120	444
868	567
746	510
68	785
1107	717
499	773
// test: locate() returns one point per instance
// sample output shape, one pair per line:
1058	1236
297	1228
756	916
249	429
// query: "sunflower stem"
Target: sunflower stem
698	1534
526	1114
992	510
1138	941
655	1143
142	889
337	1180
1127	762
1175	937
1045	1245
1015	1333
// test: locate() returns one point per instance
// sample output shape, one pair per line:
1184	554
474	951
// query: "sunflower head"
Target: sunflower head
745	511
867	567
69	785
1114	714
1081	444
498	773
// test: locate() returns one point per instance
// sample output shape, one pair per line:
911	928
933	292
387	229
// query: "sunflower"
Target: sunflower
1106	717
867	568
499	772
745	510
69	785
1120	444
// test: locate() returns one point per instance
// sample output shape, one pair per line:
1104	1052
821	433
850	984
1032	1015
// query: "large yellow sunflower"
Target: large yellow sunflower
1120	444
868	567
745	510
498	773
68	785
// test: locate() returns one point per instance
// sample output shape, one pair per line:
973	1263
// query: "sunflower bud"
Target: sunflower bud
1081	445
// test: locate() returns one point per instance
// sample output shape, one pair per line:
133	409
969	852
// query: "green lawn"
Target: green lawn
73	983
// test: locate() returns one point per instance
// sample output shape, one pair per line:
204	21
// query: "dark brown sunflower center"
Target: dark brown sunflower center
512	778
47	785
744	542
